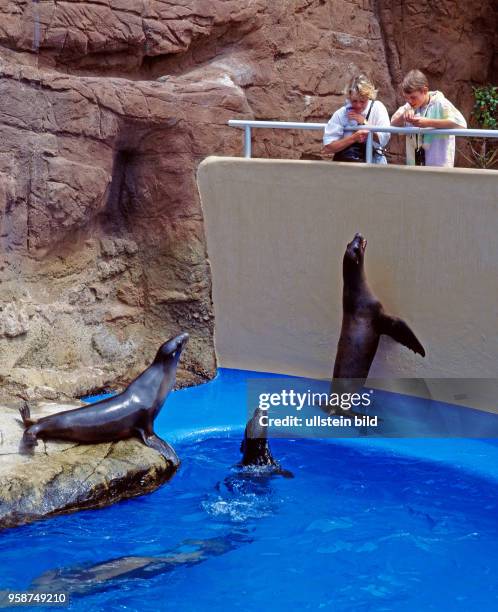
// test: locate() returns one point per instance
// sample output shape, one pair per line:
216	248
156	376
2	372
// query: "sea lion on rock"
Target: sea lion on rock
364	320
121	416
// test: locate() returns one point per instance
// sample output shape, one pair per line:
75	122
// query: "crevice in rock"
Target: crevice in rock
120	202
81	487
383	14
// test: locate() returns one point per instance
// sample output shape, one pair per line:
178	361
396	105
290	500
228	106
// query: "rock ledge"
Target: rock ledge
63	477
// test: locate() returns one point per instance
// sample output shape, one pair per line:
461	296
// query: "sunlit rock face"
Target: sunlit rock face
106	109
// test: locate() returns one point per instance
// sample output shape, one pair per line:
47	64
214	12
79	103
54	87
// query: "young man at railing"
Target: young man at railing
427	109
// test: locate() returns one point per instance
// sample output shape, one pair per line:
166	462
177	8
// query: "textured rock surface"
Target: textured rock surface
106	108
61	477
103	254
454	43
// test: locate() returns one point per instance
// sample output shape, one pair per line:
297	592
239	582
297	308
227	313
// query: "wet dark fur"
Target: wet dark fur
130	413
364	320
255	448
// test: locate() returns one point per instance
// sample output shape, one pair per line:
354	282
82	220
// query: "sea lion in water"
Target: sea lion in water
251	475
121	416
364	320
111	574
255	448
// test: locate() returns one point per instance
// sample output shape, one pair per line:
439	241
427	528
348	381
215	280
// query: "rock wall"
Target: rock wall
454	43
106	109
102	246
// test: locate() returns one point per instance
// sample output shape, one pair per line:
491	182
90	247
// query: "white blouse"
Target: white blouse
339	122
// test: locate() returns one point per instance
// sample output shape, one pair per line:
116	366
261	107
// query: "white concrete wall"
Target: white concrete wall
276	234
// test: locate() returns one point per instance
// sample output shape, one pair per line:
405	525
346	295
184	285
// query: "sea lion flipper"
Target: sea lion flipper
164	448
27	444
28	440
155	442
398	330
285	473
25	413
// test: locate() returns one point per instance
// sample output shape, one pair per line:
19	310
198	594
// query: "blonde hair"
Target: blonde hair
362	86
414	81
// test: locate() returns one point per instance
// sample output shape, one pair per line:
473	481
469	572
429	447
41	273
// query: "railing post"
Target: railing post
369	151
247	141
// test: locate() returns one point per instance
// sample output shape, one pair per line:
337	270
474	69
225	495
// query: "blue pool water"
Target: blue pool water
363	525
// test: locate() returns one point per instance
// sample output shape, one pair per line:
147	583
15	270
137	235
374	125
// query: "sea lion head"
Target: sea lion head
356	249
254	429
254	446
172	349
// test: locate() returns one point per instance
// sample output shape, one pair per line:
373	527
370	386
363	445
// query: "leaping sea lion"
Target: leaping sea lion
121	416
364	320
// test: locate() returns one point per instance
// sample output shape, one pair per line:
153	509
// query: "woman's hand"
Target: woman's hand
361	135
346	141
359	118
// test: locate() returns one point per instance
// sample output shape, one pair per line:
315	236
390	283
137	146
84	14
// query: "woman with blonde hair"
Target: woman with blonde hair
361	108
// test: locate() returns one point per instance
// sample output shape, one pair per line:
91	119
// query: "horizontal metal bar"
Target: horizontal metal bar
291	125
284	125
413	130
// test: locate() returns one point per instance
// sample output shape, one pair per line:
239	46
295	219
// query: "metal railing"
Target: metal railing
248	125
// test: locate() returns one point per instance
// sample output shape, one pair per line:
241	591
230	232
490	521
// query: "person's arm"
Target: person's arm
425	122
447	117
403	113
361	120
346	141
